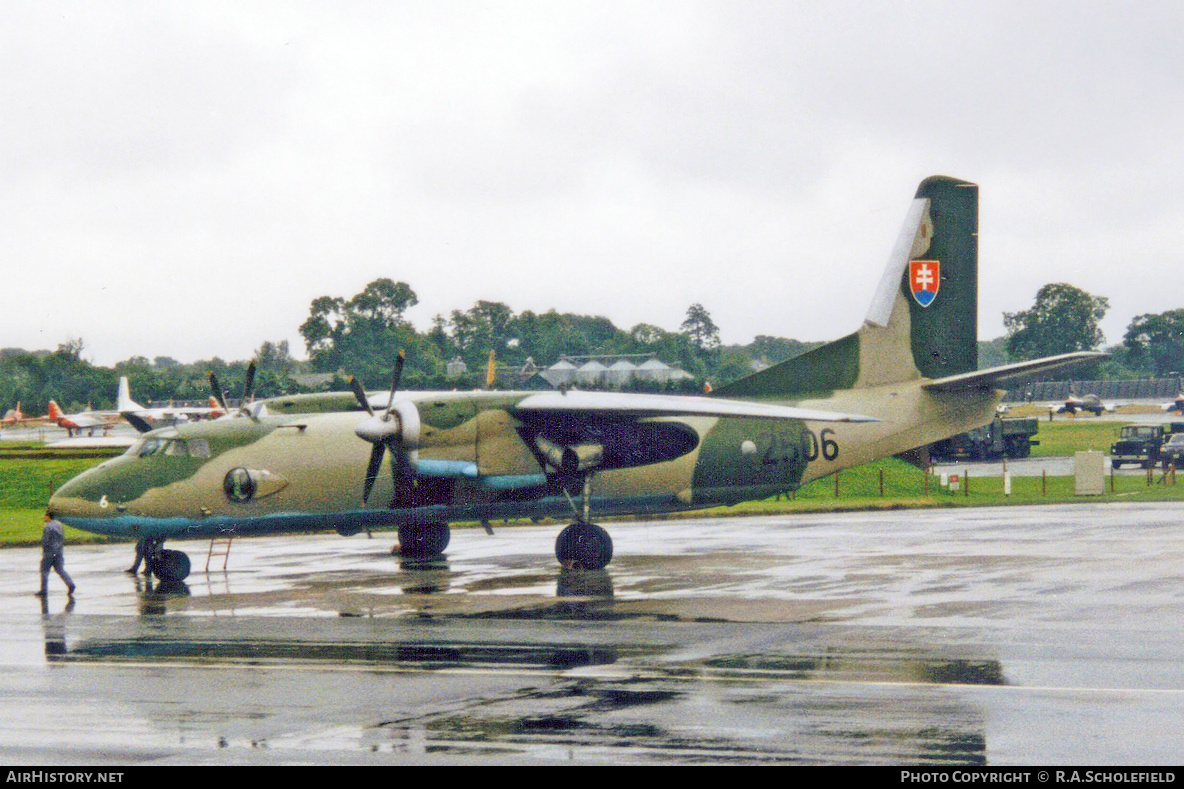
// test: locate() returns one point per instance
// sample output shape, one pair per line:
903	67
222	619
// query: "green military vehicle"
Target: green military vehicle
1010	437
1143	444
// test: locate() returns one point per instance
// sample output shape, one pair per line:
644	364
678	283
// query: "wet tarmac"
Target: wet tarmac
1041	635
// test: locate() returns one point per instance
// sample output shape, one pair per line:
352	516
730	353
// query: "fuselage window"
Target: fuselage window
175	448
199	448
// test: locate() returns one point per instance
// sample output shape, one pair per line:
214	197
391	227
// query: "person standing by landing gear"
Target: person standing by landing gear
53	544
146	552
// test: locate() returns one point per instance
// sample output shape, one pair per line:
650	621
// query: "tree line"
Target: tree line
361	335
1064	318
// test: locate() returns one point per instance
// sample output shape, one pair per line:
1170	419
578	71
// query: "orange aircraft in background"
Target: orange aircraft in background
84	420
14	416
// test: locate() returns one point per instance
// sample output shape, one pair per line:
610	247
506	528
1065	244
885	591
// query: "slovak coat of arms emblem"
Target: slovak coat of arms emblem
924	280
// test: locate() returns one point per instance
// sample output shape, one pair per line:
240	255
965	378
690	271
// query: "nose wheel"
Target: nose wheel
585	546
171	565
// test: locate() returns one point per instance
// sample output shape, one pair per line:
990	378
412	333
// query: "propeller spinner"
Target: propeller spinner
395	428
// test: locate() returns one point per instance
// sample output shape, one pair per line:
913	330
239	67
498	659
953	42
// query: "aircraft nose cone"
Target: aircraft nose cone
79	498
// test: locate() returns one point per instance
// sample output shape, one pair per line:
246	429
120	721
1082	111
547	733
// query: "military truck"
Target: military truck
1142	444
1011	436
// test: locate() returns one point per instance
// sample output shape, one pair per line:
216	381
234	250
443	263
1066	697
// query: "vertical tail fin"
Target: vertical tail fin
123	398
923	320
54	411
934	271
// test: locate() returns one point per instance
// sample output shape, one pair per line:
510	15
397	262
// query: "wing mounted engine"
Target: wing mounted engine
574	446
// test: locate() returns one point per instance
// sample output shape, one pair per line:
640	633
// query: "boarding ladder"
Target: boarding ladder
222	546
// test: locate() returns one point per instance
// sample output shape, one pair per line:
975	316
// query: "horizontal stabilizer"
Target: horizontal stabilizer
647	405
1009	375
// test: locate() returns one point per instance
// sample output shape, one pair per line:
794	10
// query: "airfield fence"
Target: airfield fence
1108	389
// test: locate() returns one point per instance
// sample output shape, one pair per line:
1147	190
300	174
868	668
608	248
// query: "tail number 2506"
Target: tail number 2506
783	449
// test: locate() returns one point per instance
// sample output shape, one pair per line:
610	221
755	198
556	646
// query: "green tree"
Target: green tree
384	301
1063	319
1156	342
363	335
777	349
732	366
700	328
275	357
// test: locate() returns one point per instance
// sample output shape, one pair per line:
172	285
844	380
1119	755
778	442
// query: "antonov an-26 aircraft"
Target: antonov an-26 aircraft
904	379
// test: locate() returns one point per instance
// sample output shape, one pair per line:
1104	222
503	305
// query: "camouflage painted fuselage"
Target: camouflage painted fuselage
305	471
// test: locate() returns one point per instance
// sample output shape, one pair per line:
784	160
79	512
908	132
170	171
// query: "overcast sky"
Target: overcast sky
182	179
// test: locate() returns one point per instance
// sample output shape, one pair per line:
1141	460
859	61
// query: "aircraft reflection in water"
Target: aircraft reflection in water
906	378
669	693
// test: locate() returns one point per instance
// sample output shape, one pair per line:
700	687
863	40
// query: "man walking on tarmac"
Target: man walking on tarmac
53	543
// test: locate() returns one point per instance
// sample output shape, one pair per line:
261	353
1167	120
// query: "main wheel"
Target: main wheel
584	545
423	540
171	565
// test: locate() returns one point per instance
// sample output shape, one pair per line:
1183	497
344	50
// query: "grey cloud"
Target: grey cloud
95	91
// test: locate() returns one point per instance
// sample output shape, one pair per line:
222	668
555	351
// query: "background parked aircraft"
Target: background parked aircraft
89	421
1073	404
145	419
1176	405
14	416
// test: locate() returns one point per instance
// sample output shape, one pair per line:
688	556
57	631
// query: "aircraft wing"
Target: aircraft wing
624	404
90	419
1008	375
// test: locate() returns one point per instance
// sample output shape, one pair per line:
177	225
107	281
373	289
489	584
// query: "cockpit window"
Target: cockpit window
151	447
173	447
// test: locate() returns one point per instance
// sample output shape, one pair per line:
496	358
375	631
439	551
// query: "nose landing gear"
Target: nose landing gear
171	565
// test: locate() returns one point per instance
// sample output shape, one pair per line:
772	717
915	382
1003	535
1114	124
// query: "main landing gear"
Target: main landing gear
584	545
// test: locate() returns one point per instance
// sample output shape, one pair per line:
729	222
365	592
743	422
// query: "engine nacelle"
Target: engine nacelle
572	459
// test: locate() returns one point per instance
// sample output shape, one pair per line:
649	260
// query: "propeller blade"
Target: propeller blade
360	393
395	379
372	470
384	436
218	394
248	387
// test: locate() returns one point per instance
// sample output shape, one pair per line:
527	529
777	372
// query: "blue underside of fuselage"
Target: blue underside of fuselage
351	522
